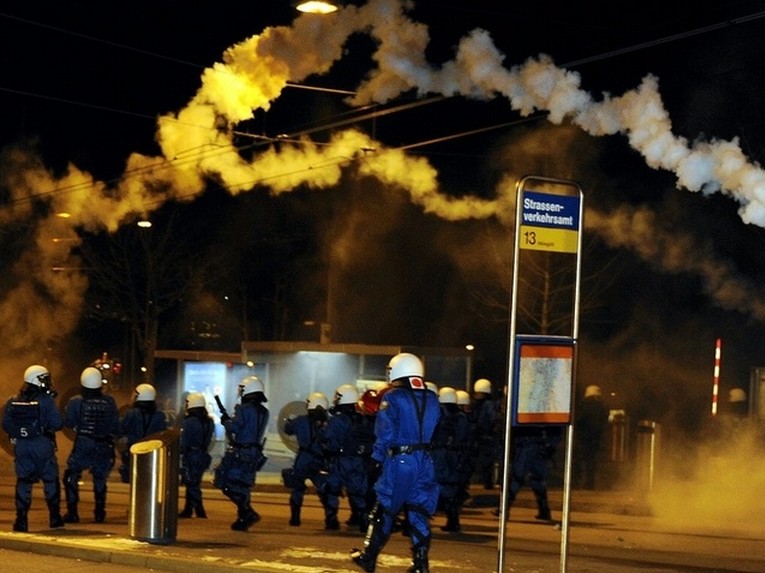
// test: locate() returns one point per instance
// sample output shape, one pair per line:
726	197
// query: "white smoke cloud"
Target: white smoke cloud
640	231
253	74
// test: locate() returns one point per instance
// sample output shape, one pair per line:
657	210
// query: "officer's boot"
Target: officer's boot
71	515
330	518
544	508
21	523
366	559
357	518
420	558
54	514
200	510
99	512
294	514
452	516
53	501
246	516
188	509
72	497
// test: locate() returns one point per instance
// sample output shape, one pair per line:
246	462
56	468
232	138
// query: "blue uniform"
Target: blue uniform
311	464
95	419
404	428
235	475
349	440
197	431
531	450
31	420
140	421
448	451
485	438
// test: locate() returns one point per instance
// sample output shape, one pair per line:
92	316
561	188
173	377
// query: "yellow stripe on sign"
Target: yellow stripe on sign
548	239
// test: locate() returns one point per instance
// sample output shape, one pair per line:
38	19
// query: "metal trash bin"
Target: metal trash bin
646	454
154	480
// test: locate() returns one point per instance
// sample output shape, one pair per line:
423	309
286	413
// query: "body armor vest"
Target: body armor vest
95	418
25	418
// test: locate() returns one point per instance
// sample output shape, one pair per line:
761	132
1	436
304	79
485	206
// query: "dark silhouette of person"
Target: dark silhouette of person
591	421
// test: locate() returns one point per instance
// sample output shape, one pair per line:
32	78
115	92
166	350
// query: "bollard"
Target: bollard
154	472
647	450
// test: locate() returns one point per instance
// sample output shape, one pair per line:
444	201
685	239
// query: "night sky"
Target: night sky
390	214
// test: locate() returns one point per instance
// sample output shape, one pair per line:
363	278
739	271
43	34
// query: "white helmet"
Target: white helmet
432	387
482	386
37	376
463	398
195	400
145	393
317	400
404	365
447	395
346	394
250	385
736	395
91	378
592	391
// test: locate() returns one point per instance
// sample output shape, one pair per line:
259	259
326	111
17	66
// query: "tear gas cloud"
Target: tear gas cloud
253	73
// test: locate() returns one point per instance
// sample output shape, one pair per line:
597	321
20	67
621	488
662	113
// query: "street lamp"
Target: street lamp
316	6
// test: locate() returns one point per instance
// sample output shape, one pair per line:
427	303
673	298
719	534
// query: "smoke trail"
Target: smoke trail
639	230
253	73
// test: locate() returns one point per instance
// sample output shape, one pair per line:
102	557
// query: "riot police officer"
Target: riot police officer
532	447
404	427
310	462
197	430
95	419
467	463
449	441
142	420
485	438
349	438
235	475
31	420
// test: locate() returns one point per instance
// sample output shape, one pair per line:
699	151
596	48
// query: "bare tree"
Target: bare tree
545	288
138	274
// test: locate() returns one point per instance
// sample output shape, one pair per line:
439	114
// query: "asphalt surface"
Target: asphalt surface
611	531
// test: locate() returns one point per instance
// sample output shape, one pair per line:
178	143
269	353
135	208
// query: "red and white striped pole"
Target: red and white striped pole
716	377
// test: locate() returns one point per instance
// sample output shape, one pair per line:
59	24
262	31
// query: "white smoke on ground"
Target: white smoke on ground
253	74
714	483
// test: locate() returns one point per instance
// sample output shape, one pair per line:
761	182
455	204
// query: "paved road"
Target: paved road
608	532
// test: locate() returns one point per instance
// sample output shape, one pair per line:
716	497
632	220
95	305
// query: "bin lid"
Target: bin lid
146	446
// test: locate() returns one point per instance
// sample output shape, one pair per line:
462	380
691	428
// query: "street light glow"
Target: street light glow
316	7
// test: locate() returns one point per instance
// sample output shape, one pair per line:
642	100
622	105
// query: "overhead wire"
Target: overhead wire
296	136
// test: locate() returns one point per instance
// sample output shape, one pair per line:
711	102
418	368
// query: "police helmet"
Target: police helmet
37	376
736	395
432	387
405	365
463	398
317	400
195	400
592	391
346	394
145	393
482	386
91	378
447	395
250	385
